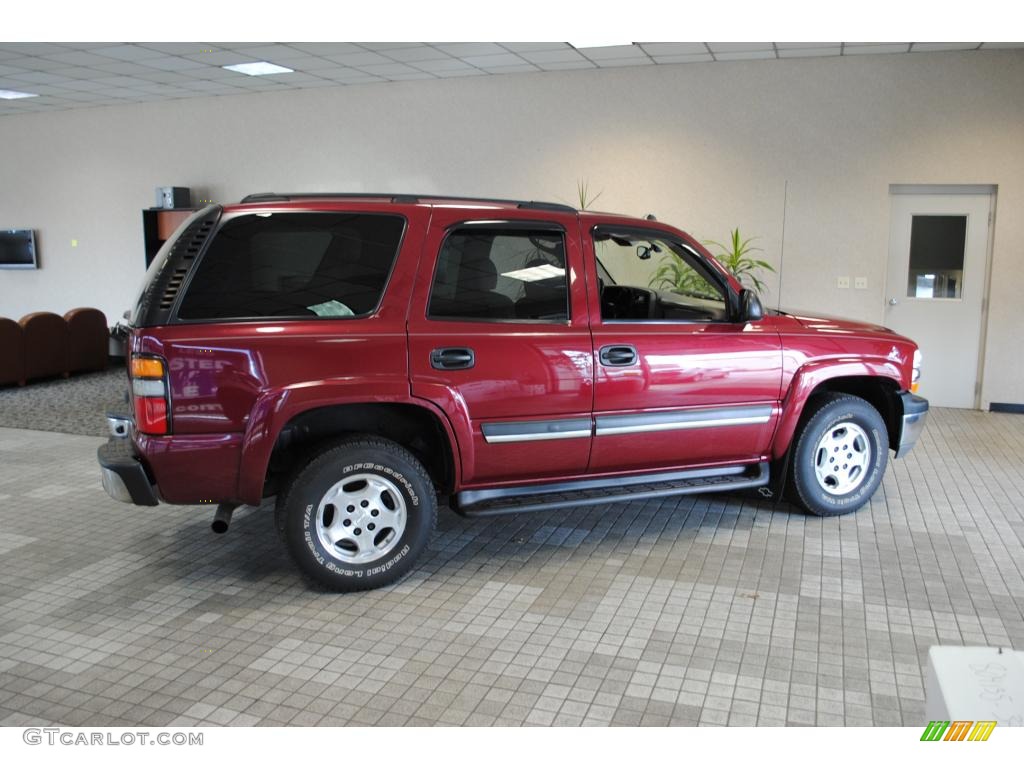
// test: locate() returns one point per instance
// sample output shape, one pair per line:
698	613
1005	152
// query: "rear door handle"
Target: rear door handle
617	355
452	358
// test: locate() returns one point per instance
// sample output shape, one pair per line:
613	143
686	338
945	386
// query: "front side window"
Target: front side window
501	274
652	278
330	265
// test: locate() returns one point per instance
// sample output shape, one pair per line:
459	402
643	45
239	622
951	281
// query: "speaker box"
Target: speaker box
173	197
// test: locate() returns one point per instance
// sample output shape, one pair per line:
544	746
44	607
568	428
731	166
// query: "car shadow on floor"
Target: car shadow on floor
252	552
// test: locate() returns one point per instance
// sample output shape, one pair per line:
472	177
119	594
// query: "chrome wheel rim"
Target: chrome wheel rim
842	458
361	518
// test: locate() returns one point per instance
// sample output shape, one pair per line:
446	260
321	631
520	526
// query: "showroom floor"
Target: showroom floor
704	610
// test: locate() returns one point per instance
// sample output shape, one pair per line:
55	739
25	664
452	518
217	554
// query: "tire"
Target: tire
358	515
839	456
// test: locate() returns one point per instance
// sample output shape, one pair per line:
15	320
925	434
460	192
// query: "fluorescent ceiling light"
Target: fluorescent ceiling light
17	95
597	42
533	274
258	68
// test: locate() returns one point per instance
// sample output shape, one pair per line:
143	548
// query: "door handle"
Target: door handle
617	355
893	302
452	358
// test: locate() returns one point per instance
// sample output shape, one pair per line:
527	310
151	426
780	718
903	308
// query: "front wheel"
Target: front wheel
839	456
358	515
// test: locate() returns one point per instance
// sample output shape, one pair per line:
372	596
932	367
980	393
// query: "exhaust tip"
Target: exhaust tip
222	518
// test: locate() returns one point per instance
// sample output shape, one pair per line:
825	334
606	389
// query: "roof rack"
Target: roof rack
274	197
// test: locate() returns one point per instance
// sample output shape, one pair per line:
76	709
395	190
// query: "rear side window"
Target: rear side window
496	274
328	265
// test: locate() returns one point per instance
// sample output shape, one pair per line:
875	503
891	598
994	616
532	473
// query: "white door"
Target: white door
936	288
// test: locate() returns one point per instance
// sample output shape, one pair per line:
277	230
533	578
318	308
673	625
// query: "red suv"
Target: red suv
361	356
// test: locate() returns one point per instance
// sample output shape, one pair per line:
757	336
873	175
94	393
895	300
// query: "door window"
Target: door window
501	275
936	257
652	278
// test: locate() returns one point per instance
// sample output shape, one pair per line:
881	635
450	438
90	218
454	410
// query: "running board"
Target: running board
605	490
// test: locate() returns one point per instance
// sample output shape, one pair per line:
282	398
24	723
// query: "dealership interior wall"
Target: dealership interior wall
707	147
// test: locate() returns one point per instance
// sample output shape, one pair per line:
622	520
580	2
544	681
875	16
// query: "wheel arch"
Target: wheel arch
877	382
272	452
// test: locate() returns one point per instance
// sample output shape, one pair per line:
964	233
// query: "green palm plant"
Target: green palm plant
736	257
673	274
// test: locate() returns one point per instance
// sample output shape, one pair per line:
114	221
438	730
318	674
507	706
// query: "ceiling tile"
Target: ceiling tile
179	49
565	56
338	73
882	48
445	65
531	47
799	53
685	59
673	49
219	58
415	75
124	68
78	58
470	49
503	70
172	64
387	70
5	70
35	64
359	59
128	52
33	49
744	55
322	49
273	53
462	73
876	43
986	46
552	66
717	48
920	47
494	60
796	46
612	52
419	53
385	46
635	61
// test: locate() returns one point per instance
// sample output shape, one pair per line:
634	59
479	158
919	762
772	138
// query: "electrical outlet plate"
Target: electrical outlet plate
843	282
860	283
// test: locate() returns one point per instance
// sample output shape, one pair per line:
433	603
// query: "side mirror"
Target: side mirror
750	306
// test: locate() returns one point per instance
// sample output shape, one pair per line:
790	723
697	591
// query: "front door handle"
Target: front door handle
618	355
452	358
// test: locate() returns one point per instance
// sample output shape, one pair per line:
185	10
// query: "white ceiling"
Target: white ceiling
77	75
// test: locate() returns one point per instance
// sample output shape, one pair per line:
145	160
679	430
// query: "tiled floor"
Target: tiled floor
704	610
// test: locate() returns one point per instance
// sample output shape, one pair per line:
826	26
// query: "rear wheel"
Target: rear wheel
839	456
358	515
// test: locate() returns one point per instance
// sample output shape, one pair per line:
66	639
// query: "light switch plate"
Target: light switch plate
860	283
843	282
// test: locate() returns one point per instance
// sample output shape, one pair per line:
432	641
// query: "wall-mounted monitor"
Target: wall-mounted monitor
18	249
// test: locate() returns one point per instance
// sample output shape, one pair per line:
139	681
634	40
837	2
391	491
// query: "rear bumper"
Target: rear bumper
122	474
915	413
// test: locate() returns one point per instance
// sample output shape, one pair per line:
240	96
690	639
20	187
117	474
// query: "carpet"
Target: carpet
76	406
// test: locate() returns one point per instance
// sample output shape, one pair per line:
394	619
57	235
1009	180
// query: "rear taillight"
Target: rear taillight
149	391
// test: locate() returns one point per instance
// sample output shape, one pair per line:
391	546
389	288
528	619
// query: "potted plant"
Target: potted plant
736	257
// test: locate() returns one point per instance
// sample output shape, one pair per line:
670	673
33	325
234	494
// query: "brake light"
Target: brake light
915	377
149	392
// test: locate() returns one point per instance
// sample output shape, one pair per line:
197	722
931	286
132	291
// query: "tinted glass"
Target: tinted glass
936	257
501	275
295	265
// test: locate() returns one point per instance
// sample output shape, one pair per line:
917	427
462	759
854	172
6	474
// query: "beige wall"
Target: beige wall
704	146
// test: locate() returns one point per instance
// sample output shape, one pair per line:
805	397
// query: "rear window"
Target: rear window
329	265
